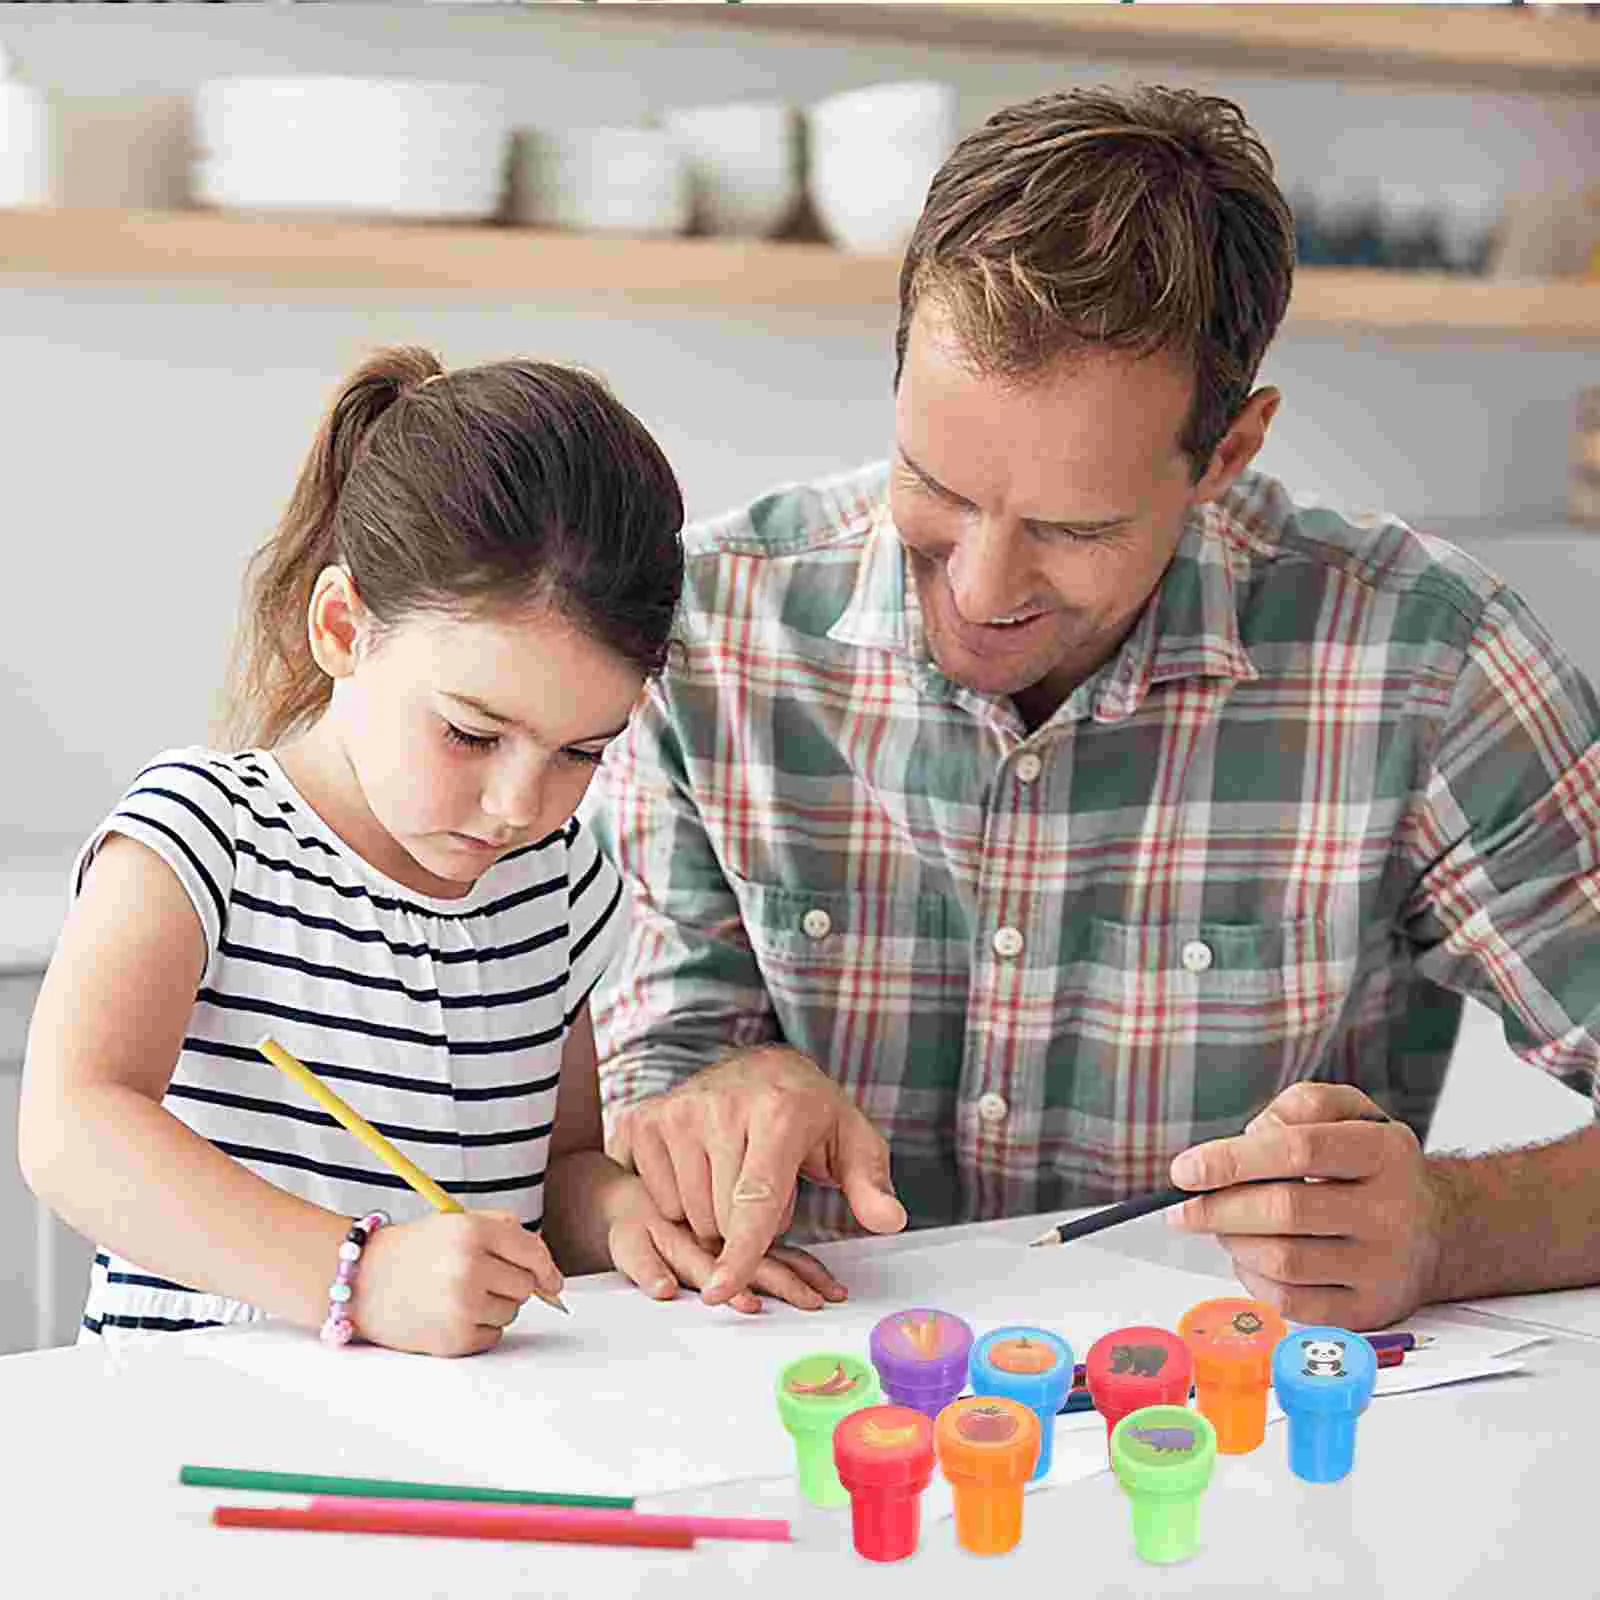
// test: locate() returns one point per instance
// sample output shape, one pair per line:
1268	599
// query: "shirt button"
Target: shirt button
992	1107
1196	955
1028	767
816	923
1007	942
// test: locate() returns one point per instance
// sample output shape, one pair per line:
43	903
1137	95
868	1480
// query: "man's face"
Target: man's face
1038	516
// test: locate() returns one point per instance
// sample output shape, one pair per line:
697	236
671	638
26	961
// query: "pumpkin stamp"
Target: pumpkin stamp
1021	1354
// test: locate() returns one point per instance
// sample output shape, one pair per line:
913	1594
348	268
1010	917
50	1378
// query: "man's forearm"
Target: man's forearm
1519	1220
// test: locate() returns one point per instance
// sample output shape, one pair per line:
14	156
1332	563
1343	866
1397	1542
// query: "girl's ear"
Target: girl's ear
336	622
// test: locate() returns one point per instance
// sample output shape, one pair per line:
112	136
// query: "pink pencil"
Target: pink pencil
437	1519
511	1516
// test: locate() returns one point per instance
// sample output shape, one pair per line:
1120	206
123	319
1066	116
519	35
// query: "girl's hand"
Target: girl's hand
660	1256
449	1284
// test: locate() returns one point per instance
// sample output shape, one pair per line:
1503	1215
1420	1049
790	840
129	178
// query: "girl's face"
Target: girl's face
470	736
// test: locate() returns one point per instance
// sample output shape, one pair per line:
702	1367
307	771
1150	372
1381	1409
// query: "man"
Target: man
1041	806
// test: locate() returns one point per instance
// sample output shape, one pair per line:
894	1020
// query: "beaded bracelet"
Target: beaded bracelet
339	1329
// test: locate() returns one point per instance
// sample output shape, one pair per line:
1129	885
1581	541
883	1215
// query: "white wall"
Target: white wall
152	432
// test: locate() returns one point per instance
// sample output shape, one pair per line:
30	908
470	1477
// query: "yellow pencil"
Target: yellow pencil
371	1138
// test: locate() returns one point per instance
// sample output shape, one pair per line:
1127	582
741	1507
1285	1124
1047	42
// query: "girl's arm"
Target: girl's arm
95	1143
585	1191
598	1215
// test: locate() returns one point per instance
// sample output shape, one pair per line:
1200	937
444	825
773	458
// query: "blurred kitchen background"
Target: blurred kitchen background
191	257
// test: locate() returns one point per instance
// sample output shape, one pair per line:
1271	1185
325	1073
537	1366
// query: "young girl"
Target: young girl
476	574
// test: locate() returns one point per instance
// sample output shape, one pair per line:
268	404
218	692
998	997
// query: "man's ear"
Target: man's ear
335	622
1238	446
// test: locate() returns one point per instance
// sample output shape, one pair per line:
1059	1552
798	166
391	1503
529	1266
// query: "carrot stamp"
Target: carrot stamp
921	1357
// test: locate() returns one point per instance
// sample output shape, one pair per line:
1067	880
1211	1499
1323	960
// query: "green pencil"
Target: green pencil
387	1488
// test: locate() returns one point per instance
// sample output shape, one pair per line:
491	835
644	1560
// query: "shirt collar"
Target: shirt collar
882	612
1190	628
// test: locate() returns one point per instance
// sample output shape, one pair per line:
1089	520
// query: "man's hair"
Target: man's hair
1143	220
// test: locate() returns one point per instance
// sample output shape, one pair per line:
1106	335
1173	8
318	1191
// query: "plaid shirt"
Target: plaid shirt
1336	777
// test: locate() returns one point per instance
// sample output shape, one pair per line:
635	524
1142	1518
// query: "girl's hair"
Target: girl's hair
488	489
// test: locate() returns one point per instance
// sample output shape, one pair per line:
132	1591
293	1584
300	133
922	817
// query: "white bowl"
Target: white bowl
1466	225
376	168
29	148
600	180
332	188
868	201
361	108
744	164
318	144
889	113
378	96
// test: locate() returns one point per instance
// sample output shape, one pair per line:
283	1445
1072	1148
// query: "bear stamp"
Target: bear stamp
1142	1360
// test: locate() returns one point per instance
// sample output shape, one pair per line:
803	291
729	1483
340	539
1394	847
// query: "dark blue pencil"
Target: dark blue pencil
1143	1205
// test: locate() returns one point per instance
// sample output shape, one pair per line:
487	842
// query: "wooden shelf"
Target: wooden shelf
531	267
1477	46
1408	302
490	262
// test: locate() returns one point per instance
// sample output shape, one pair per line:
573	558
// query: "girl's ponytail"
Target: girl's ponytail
496	489
276	685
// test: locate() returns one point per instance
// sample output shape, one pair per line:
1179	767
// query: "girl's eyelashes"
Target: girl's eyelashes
485	742
471	741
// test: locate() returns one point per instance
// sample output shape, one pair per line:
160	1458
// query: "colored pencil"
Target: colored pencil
1399	1341
441	1520
389	1488
1079	1398
1126	1210
1378	1341
760	1528
1143	1205
371	1138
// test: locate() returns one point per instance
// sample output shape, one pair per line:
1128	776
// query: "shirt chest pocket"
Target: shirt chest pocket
1193	1025
867	984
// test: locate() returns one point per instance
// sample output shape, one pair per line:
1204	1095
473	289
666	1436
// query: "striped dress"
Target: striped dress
440	1020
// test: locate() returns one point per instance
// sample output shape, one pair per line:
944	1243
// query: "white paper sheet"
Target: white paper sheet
1080	1294
631	1396
1575	1312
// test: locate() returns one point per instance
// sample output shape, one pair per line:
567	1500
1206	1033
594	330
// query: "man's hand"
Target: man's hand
1359	1246
659	1255
723	1152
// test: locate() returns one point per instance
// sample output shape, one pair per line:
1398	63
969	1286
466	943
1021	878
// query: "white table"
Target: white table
1457	1492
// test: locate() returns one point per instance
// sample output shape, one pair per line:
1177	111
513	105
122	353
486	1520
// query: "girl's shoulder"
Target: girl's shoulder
188	793
196	779
189	806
